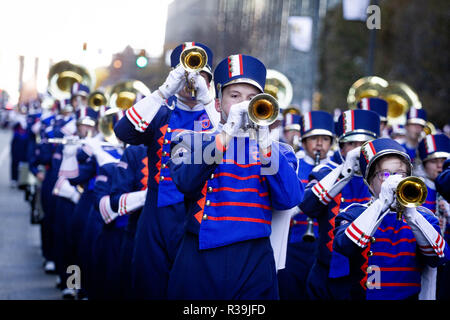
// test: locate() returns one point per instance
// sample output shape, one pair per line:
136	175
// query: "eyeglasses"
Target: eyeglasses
384	174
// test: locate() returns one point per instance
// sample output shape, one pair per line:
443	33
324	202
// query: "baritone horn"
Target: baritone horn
400	97
366	87
193	59
63	75
279	86
124	94
411	192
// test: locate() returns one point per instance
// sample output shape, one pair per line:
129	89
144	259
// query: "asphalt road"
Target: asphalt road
21	273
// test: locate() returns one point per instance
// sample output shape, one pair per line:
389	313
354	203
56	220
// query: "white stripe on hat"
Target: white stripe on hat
365	105
188	44
429	144
413	113
234	64
307	122
348	121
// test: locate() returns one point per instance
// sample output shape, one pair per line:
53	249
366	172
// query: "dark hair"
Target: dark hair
374	165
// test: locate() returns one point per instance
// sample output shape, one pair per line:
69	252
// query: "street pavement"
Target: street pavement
21	263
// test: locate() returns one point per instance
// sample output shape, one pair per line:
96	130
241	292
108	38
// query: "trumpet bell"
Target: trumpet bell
193	58
366	87
411	192
97	99
279	86
106	126
263	109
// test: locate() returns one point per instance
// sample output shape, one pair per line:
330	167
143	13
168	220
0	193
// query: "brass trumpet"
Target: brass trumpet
97	99
263	109
193	59
411	192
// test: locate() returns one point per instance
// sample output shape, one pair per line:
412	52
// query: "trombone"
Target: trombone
411	192
193	59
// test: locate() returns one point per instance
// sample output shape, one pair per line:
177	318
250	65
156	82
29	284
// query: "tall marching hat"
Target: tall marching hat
239	68
416	116
358	125
291	121
373	150
315	123
87	116
397	129
378	105
79	89
175	55
434	146
65	105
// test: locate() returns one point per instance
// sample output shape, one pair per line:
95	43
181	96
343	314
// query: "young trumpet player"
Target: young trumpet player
387	254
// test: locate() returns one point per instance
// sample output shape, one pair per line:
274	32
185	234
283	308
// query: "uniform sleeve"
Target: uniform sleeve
134	128
123	178
342	244
311	205
86	171
102	186
286	190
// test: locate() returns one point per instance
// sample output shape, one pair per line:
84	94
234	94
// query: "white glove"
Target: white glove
132	201
235	121
203	95
387	192
64	189
351	164
174	83
102	157
430	242
329	187
264	140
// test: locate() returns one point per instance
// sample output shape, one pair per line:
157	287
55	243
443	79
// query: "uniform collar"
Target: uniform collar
182	106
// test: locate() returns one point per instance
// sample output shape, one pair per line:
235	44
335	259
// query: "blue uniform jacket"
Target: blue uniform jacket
230	200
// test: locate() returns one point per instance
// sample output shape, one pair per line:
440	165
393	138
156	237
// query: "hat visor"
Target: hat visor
317	132
357	136
244	80
436	155
417	121
295	127
87	121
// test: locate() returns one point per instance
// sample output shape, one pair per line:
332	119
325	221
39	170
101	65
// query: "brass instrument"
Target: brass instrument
309	235
400	97
263	109
71	140
441	215
429	128
123	94
366	87
106	126
63	75
97	99
411	192
279	86
193	59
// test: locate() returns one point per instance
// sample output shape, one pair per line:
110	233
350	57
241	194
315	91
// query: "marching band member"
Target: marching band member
386	253
398	133
75	170
434	150
416	120
317	133
19	142
291	129
128	193
379	106
333	187
443	181
226	252
152	122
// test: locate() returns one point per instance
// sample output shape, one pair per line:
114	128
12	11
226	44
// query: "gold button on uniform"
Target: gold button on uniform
369	269
205	217
372	239
208	203
161	178
169	130
163	166
166	141
212	175
370	253
210	189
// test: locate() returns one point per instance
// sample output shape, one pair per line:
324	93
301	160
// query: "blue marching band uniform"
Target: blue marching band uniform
186	202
